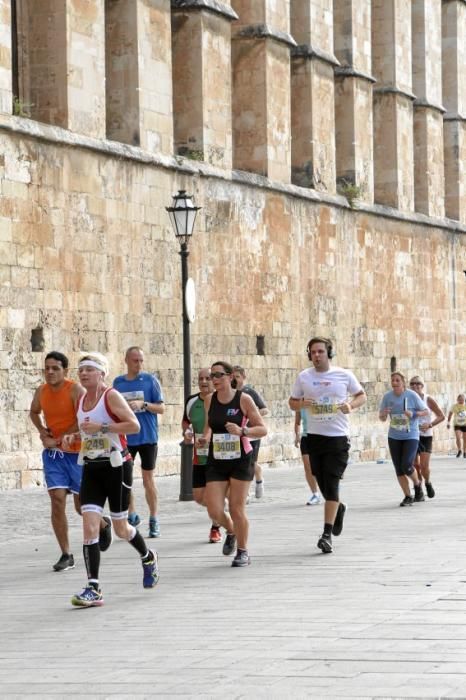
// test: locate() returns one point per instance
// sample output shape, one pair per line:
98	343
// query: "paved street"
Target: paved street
384	616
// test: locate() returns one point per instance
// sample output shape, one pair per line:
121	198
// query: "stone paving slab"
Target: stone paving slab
382	617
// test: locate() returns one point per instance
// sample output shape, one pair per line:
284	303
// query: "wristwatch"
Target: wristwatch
104	428
145	405
245	431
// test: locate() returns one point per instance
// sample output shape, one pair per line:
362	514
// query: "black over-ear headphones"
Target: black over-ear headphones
326	341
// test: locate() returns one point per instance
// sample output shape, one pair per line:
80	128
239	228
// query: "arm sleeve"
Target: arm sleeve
297	391
157	395
354	387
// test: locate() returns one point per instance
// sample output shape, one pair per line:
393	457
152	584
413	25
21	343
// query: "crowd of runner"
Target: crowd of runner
91	434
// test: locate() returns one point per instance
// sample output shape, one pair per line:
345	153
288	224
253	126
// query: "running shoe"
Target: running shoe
418	494
241	558
407	501
134	519
88	598
338	524
459	453
105	535
65	562
430	489
229	544
154	527
325	544
215	535
314	499
151	571
259	489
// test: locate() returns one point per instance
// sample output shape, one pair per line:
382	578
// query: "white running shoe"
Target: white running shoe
314	499
259	489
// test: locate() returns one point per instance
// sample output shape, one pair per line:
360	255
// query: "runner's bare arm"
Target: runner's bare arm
127	424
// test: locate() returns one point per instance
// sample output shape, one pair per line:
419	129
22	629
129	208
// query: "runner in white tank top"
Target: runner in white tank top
104	418
426	424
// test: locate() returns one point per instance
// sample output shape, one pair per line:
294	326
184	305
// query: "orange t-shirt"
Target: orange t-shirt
59	411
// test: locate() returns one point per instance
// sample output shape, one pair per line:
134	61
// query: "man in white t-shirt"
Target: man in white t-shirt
327	394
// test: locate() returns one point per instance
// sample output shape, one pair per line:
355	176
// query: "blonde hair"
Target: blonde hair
98	358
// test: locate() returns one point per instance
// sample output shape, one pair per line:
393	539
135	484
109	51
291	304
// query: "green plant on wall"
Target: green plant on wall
350	190
20	108
191	153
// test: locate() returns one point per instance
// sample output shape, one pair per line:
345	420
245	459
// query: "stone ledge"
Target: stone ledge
454	117
425	104
264	31
63	137
350	72
310	52
392	90
218	8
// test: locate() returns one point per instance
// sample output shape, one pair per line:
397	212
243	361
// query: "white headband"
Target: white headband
92	363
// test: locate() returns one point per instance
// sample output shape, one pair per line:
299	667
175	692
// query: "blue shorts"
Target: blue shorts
61	470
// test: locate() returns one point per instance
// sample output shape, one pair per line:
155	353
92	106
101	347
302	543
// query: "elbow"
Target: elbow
133	428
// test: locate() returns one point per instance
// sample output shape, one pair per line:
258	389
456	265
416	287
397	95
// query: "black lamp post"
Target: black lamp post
182	216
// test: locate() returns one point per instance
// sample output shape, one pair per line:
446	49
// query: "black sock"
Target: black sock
328	527
91	554
138	543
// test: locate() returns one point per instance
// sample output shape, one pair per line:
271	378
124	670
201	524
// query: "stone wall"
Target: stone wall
88	260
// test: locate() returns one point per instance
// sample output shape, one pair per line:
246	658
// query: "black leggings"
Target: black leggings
403	454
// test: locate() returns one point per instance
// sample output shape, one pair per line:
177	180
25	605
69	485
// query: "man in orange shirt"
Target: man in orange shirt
53	412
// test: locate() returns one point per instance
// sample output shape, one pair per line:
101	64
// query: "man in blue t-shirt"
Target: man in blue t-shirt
144	395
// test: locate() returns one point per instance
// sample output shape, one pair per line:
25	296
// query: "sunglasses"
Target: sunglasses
218	375
416	384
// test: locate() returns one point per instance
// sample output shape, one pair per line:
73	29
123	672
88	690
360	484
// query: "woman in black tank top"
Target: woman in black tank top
231	418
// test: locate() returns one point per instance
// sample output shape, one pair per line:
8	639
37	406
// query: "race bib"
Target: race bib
460	418
95	446
398	421
201	451
226	446
134	396
326	409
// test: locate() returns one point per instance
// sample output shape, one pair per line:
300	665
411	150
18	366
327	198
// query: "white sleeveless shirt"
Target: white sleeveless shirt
99	445
426	420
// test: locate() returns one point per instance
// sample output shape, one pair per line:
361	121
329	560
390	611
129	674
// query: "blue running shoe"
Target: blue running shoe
88	598
151	571
134	519
154	527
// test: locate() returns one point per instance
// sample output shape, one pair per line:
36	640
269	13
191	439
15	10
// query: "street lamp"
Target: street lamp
182	217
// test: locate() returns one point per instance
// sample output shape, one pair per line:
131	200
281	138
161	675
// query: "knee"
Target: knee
199	498
58	502
148	479
121	529
237	511
215	510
